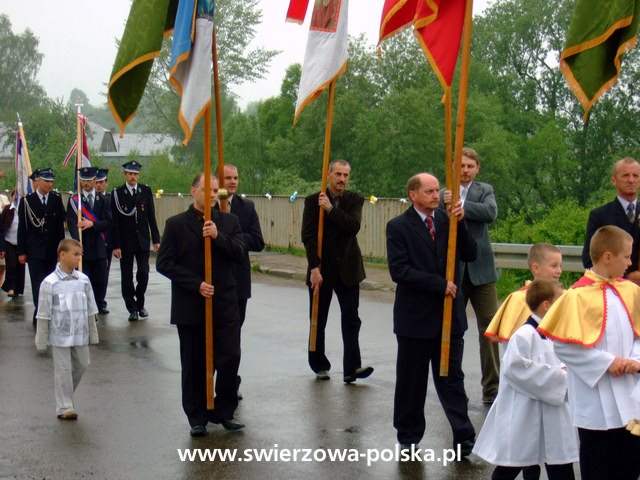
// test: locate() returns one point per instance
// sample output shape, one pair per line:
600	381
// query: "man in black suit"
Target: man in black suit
95	222
40	229
417	254
621	212
181	259
134	216
340	269
102	185
245	210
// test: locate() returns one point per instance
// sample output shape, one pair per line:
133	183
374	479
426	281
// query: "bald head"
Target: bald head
423	190
625	177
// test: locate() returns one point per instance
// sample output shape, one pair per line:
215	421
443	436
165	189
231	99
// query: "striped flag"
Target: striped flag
191	61
22	165
326	56
85	148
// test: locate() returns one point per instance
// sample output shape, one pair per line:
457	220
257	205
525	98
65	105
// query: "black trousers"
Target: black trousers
554	472
609	454
349	299
95	270
412	374
134	296
226	358
14	272
106	278
38	270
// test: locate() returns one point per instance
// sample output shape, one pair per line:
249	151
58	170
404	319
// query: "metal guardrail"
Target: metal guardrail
514	256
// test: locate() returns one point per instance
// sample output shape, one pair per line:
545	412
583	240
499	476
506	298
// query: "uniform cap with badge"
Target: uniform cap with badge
132	166
43	174
88	173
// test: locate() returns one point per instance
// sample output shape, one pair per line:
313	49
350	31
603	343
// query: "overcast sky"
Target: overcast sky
77	38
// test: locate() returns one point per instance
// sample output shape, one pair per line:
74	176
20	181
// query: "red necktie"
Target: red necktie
429	220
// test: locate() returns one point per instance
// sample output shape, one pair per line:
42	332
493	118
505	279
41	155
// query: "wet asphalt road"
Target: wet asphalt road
131	423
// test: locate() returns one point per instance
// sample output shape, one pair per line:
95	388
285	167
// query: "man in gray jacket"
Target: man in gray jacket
479	277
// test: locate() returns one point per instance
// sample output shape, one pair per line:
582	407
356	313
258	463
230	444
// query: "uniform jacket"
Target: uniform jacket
40	242
181	259
612	213
245	210
131	233
418	265
341	255
93	239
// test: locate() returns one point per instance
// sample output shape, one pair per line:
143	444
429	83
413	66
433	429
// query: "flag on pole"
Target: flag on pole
22	165
599	34
326	56
191	61
437	26
297	11
148	23
85	148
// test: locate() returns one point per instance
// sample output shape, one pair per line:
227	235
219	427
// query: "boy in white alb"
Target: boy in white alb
66	321
596	331
529	423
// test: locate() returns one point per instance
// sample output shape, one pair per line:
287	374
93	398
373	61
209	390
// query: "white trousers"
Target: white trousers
69	364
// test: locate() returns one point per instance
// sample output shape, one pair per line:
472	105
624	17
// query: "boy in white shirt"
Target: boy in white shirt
66	321
529	423
596	331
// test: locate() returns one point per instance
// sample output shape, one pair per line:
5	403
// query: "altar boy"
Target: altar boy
596	328
529	423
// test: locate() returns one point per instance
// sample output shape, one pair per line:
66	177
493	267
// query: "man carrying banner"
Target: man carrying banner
134	216
40	229
102	184
417	254
181	259
340	269
95	222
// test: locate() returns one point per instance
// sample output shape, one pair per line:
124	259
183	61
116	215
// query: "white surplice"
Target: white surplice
598	400
529	423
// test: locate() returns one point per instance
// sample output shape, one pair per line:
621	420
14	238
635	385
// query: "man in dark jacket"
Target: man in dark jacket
340	270
181	259
40	230
417	242
134	216
95	222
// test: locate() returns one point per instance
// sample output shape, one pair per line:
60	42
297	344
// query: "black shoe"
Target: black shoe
133	316
142	313
232	425
103	311
466	447
362	372
198	431
322	375
239	395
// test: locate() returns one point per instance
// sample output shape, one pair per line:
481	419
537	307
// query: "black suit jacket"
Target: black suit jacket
93	239
40	242
341	255
245	210
131	233
181	259
612	213
418	265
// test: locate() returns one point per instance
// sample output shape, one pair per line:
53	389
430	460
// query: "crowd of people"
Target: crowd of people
565	391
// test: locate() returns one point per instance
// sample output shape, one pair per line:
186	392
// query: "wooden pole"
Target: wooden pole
208	273
325	171
455	187
448	139
222	192
78	167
